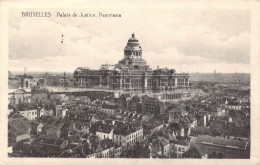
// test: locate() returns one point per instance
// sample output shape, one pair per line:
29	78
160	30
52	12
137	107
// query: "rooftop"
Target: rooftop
231	143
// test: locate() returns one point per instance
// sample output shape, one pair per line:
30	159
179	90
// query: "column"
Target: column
81	79
100	80
176	82
107	81
120	82
144	81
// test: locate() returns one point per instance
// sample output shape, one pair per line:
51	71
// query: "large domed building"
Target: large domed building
131	74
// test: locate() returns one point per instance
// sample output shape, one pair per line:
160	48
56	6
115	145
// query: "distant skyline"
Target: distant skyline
62	72
186	40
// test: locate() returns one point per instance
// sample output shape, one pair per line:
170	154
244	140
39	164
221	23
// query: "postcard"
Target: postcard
130	82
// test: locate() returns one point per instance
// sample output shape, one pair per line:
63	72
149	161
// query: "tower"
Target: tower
25	82
133	55
133	48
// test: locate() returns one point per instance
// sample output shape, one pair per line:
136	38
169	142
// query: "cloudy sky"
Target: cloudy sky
188	40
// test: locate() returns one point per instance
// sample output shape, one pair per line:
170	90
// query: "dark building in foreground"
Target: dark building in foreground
131	74
218	147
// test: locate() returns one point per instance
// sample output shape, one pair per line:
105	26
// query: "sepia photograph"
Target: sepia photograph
132	83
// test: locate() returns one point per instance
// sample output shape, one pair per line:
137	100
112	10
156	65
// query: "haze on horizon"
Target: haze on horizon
186	40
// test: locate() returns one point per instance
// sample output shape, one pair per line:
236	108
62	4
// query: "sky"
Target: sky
194	40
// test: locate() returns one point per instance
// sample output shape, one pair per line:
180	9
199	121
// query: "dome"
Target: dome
133	45
133	39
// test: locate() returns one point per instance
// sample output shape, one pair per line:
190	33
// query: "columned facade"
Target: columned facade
131	74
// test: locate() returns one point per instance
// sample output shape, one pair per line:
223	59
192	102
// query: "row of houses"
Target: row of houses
141	104
123	134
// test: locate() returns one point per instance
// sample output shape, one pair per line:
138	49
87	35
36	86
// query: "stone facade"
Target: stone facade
131	74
